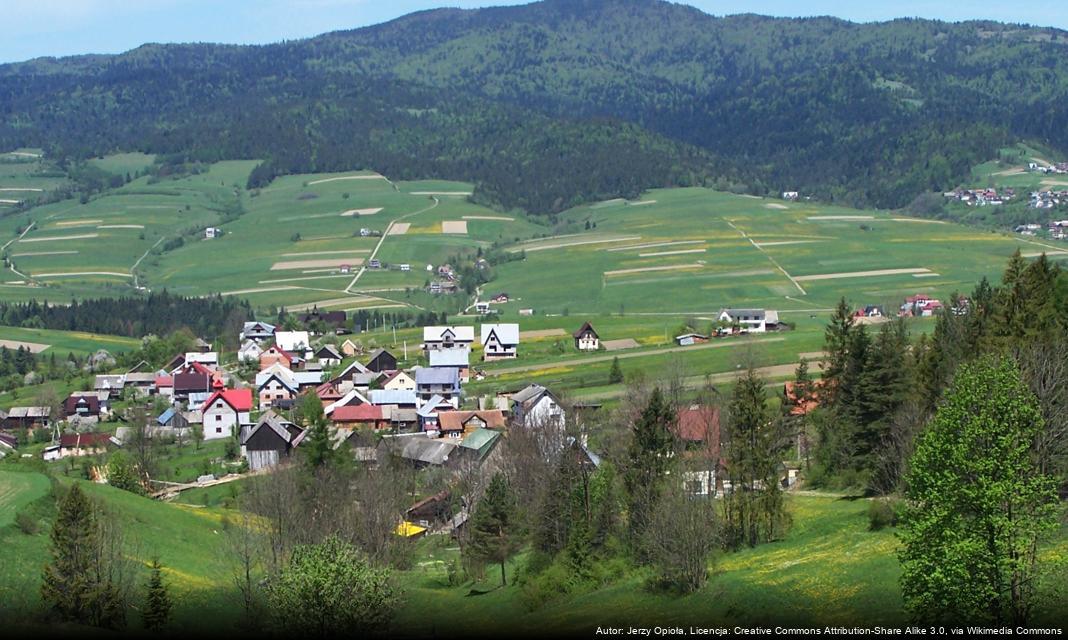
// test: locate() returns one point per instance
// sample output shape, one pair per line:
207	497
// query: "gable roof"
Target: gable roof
430	407
586	326
284	429
84	439
437	375
694	423
507	333
166	416
346	400
355	367
755	314
460	333
392	396
357	413
330	350
238	399
480	440
456	420
531	394
450	357
257	327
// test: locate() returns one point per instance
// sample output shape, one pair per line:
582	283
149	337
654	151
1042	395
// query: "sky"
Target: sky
33	28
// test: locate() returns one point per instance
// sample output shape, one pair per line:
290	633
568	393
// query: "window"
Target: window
218	418
218	429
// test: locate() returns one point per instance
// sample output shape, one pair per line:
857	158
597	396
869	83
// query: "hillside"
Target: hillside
547	105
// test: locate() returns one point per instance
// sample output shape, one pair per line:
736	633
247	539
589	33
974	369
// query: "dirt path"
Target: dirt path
385	235
770	259
864	274
133	268
21	236
636	354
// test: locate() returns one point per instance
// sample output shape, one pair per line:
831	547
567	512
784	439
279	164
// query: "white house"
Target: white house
212	232
209	359
586	339
750	320
399	381
250	351
225	411
535	405
447	337
499	341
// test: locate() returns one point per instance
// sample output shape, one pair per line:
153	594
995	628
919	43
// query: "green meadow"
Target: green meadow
61	343
829	569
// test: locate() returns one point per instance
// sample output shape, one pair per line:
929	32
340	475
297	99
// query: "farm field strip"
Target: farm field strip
398	229
311	264
576	243
780	243
324	253
840	218
454	226
500	218
43	253
672	267
770	258
652	245
71	274
361	212
864	274
373	176
84	236
32	347
670	253
441	193
303	278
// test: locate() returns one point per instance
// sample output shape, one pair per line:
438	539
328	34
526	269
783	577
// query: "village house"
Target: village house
279	383
328	355
361	416
258	331
499	341
82	408
586	339
457	424
870	311
209	359
225	412
399	381
350	348
447	337
112	384
920	305
382	360
452	358
698	429
750	320
535	406
80	444
443	381
143	384
276	355
270	441
250	351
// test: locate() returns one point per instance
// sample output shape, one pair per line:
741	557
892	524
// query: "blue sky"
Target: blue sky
65	27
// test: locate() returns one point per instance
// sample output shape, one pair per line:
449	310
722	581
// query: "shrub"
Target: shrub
26	523
882	513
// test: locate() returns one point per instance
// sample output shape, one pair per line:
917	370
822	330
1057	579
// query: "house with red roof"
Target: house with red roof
80	444
275	354
698	429
225	411
366	416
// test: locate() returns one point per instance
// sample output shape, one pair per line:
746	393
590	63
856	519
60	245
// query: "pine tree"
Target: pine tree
494	526
615	375
649	455
75	585
158	604
836	340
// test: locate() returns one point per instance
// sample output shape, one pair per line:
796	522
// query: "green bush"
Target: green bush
882	513
26	523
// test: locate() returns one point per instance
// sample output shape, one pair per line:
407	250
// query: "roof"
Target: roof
507	333
84	439
357	413
378	352
330	350
479	439
166	416
430	407
450	358
389	396
810	403
455	420
531	392
420	448
274	422
238	399
290	340
757	314
693	423
135	378
586	326
437	375
257	326
349	370
460	333
164	381
108	382
29	412
346	400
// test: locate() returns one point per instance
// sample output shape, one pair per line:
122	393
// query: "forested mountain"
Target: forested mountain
548	104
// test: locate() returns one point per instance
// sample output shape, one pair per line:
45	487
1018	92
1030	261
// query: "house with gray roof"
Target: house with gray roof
443	381
500	341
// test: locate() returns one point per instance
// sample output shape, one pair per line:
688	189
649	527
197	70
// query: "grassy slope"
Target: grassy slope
63	342
189	542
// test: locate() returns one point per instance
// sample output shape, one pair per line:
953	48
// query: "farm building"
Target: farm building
688	339
382	360
750	320
269	441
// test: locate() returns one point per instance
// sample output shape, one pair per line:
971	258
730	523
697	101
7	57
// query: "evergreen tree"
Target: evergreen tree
837	342
649	456
77	586
754	508
615	375
494	535
158	604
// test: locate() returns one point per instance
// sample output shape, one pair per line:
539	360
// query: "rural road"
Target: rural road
633	354
385	234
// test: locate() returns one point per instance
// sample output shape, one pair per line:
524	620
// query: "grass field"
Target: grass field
63	342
